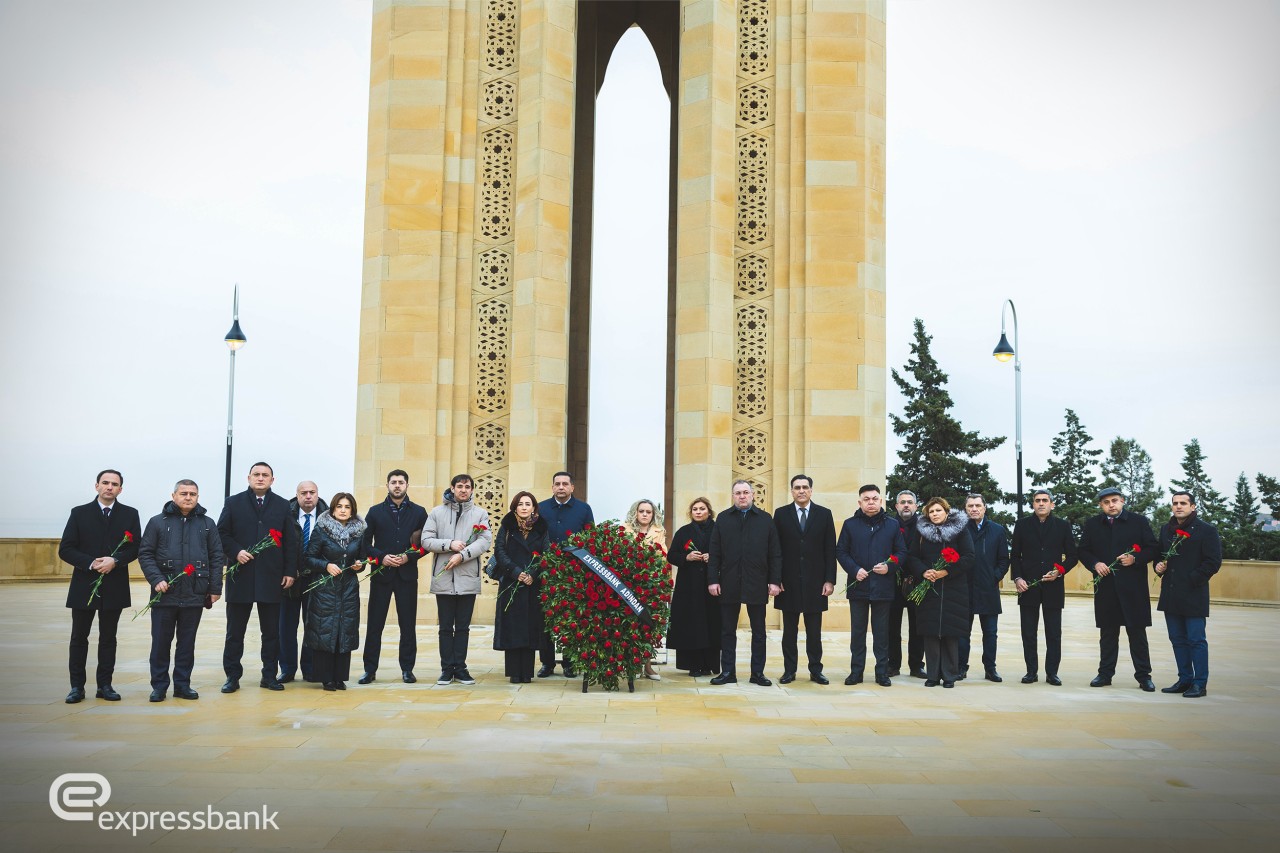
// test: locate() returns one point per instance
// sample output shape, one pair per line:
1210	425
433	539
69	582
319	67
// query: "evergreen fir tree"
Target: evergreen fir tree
938	457
1070	473
1128	468
1210	504
1269	492
1241	536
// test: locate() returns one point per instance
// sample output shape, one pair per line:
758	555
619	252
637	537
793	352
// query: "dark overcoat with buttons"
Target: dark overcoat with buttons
1184	587
1037	545
808	558
243	525
88	536
1124	597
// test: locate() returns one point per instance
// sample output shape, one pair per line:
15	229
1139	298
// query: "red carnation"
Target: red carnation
276	536
189	570
951	555
1182	533
1136	549
128	537
1057	567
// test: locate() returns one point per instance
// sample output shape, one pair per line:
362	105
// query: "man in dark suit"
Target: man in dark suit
1122	597
261	578
99	541
990	562
393	526
1044	550
807	537
564	515
305	509
1184	591
745	568
905	504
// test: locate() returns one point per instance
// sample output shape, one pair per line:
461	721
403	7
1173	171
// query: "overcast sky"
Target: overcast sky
1109	166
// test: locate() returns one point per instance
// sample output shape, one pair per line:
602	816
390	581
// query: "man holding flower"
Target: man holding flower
1116	546
1043	551
458	533
1190	554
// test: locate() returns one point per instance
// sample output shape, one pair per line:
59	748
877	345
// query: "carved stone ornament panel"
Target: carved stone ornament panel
499	100
500	29
489	445
497	153
754	105
752	278
492	353
752	361
491	493
755	38
494	271
753	190
751	450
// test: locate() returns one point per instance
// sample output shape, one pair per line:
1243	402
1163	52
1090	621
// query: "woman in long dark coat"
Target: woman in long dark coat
333	608
695	615
517	629
942	616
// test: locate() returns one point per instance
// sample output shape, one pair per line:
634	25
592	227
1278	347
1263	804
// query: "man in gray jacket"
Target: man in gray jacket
181	555
458	533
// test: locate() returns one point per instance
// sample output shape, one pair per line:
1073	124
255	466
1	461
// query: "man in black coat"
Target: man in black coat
99	541
872	550
305	508
745	568
807	537
1122	595
565	515
1184	591
991	561
246	520
905	504
393	527
1044	550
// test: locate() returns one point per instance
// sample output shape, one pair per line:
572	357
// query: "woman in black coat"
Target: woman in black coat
942	616
517	628
333	609
695	615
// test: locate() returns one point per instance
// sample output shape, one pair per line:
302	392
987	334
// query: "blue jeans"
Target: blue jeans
988	621
1190	648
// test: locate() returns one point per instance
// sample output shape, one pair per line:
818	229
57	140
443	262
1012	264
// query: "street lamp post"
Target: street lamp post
1003	352
235	339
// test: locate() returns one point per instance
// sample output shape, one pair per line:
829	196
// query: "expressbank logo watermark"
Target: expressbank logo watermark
81	796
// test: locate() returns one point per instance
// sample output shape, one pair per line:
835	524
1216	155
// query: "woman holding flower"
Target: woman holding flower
517	628
941	557
695	615
337	550
643	521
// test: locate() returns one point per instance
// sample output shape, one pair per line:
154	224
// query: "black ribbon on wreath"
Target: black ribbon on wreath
611	580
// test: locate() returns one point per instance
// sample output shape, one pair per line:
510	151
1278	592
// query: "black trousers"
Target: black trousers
915	646
989	623
879	612
518	665
812	640
166	622
380	595
1030	614
453	612
729	636
942	658
292	612
237	622
1109	645
78	651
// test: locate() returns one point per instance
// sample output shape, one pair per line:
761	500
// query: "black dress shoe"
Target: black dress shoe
329	687
1180	687
884	681
1147	685
157	695
286	678
76	695
231	685
918	673
1100	681
1054	680
725	678
992	675
270	684
107	692
367	678
851	680
547	670
570	672
787	678
818	678
1196	692
893	672
948	684
929	682
409	677
185	693
1030	678
760	679
341	685
962	676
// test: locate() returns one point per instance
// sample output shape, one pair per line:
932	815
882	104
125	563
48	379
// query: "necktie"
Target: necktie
259	503
804	517
106	513
1111	520
306	529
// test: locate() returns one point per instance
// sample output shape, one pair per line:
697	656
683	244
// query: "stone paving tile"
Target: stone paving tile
677	765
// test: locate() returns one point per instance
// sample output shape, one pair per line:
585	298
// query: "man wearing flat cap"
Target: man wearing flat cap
1117	546
1043	551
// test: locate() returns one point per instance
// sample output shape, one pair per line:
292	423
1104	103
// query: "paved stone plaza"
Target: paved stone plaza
678	765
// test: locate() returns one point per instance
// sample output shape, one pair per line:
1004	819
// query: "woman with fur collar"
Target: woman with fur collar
518	625
644	520
333	608
943	614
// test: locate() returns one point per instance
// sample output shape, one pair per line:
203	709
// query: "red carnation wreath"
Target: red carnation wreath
599	633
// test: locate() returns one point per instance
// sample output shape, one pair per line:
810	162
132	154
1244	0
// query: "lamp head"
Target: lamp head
1003	352
235	338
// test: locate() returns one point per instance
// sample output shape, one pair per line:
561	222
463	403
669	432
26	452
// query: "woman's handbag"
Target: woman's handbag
491	567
